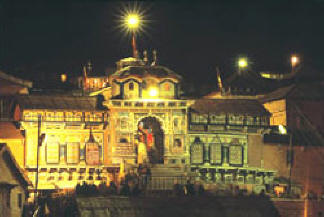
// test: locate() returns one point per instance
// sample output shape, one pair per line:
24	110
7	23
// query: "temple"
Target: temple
136	117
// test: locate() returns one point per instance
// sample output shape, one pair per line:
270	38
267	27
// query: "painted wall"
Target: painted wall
278	110
17	148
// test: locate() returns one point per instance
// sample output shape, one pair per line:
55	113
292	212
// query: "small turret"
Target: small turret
145	58
154	63
89	67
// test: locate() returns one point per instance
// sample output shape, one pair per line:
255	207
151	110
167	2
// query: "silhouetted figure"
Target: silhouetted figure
124	189
112	189
102	188
136	191
190	188
78	189
178	189
201	189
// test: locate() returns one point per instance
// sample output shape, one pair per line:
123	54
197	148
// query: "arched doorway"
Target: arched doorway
151	133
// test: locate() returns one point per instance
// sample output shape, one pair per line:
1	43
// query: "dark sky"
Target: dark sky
39	40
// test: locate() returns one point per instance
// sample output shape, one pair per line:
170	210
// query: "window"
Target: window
236	120
177	143
19	199
217	119
198	118
131	86
250	120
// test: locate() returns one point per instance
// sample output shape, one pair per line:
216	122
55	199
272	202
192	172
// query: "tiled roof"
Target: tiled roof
142	71
309	91
57	102
15	80
9	131
230	106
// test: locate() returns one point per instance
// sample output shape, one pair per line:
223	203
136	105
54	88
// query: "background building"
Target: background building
13	184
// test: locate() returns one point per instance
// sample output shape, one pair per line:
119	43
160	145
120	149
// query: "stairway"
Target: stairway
163	177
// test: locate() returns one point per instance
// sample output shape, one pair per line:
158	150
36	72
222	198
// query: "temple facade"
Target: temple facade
136	118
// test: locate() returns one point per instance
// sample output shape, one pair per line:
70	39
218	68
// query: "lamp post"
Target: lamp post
133	22
40	139
283	130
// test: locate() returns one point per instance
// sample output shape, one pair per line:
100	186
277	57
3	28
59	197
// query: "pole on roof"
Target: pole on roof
38	144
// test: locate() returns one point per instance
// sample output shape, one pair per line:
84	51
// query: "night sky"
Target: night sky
39	40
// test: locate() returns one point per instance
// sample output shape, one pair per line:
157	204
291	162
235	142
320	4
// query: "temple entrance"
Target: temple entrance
150	147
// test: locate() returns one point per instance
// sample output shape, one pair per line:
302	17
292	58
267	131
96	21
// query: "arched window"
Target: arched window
131	86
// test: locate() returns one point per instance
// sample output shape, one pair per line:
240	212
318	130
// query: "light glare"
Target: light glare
133	21
242	63
153	92
294	60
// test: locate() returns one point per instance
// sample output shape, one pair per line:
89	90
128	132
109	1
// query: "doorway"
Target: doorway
151	133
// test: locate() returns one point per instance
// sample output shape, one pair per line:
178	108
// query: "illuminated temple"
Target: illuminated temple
135	117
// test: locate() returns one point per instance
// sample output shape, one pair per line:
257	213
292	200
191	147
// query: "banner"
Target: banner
236	155
92	154
73	153
197	153
52	152
215	153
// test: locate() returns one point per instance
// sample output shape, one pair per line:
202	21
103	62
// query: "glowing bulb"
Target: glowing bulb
132	21
153	92
282	129
63	77
294	60
242	63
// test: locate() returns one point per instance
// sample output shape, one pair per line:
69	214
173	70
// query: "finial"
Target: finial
154	58
89	67
145	56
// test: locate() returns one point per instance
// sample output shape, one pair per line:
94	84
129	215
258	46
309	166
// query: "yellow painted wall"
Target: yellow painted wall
278	110
31	147
17	148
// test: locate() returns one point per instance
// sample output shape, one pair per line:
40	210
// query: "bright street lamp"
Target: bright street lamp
242	63
132	21
294	60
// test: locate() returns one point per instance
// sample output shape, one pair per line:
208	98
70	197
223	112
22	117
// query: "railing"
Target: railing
160	182
165	103
54	119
